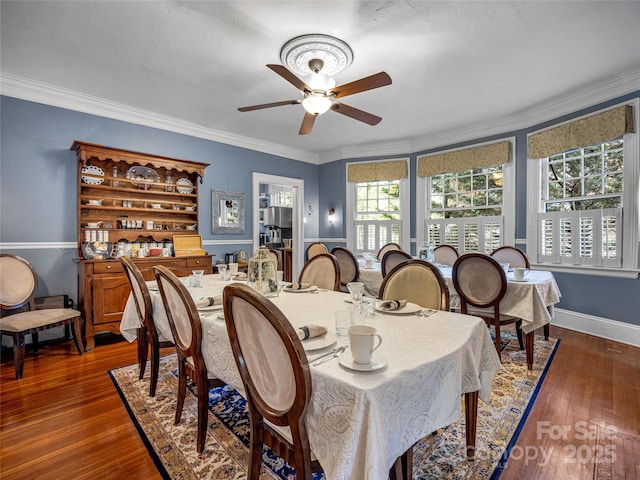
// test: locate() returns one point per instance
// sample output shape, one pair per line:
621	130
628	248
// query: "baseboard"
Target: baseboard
600	327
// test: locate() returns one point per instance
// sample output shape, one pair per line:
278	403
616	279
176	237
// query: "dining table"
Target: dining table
361	418
531	299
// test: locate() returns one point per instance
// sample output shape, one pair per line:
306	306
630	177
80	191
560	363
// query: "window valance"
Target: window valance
597	128
375	171
465	159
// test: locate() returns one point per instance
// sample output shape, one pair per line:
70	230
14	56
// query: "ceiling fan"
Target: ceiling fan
320	94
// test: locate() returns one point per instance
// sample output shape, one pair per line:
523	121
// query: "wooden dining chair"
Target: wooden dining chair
386	248
184	321
322	271
482	283
276	378
314	249
148	337
416	281
349	266
18	283
445	254
513	255
276	257
392	258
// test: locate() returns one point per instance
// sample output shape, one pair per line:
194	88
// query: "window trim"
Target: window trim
405	206
630	201
423	185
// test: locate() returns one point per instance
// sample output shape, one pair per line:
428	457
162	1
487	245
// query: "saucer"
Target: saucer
520	281
347	362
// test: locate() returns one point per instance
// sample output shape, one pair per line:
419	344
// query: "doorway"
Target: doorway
297	226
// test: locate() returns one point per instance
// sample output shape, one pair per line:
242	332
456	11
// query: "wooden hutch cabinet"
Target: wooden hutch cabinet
133	200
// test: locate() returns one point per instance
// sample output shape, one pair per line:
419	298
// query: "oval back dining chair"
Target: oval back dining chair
148	337
392	258
323	271
482	283
276	378
416	281
184	321
445	254
314	249
18	283
276	256
349	266
386	248
512	255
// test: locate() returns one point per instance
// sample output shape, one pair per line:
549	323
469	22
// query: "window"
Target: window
467	209
581	195
376	205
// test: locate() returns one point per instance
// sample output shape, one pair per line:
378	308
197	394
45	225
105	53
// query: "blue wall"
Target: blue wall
606	297
38	181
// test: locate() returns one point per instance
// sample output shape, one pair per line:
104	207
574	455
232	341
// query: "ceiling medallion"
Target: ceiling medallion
299	51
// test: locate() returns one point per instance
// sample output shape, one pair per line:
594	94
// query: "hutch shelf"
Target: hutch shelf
133	200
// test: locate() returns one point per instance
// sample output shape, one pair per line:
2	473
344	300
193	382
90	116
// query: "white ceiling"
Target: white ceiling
461	67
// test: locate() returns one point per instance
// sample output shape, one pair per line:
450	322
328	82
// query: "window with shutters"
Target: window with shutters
586	211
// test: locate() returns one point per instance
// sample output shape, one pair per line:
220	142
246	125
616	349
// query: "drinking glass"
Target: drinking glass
222	269
343	322
356	289
197	278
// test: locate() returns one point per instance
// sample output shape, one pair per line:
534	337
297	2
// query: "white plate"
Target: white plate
92	170
347	362
95	203
212	308
408	309
316	343
302	290
184	181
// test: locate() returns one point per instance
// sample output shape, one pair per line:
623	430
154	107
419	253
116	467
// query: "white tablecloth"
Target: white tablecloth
528	300
360	422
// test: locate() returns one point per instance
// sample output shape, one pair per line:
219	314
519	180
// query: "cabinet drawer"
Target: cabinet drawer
199	262
108	267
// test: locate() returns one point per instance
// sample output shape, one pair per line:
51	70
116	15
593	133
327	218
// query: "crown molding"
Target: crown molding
47	94
608	89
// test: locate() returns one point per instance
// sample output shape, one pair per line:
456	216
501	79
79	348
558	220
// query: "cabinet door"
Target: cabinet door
110	293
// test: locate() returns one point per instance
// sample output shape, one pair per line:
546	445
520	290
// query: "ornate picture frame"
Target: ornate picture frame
227	212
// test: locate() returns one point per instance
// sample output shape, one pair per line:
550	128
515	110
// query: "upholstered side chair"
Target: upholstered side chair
392	258
276	378
314	249
349	266
386	248
148	337
18	283
445	254
184	321
416	281
322	271
481	284
513	255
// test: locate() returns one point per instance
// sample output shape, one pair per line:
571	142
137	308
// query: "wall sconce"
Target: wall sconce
310	210
332	216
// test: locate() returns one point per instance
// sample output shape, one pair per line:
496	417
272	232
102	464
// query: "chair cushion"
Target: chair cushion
24	321
285	432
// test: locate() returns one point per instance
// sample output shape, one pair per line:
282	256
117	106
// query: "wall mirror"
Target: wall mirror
228	212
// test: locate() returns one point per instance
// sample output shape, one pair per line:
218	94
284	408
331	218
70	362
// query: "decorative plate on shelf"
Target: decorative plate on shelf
184	181
143	174
92	170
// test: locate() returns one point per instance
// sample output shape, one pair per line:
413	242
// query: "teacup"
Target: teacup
362	343
520	273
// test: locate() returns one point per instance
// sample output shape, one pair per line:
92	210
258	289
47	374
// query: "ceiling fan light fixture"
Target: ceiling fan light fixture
317	81
316	103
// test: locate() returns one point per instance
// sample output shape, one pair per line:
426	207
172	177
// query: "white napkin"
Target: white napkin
240	276
310	331
299	286
209	301
391	305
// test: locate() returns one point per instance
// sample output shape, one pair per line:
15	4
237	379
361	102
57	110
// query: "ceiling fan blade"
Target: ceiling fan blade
307	123
269	105
377	80
289	77
356	114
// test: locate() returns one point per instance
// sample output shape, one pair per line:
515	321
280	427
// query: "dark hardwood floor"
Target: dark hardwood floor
64	419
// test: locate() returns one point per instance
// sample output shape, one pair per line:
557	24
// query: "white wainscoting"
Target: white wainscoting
597	326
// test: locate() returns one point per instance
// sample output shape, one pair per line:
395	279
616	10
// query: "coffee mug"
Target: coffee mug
520	273
362	343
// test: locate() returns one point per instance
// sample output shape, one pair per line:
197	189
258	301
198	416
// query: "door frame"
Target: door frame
297	226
